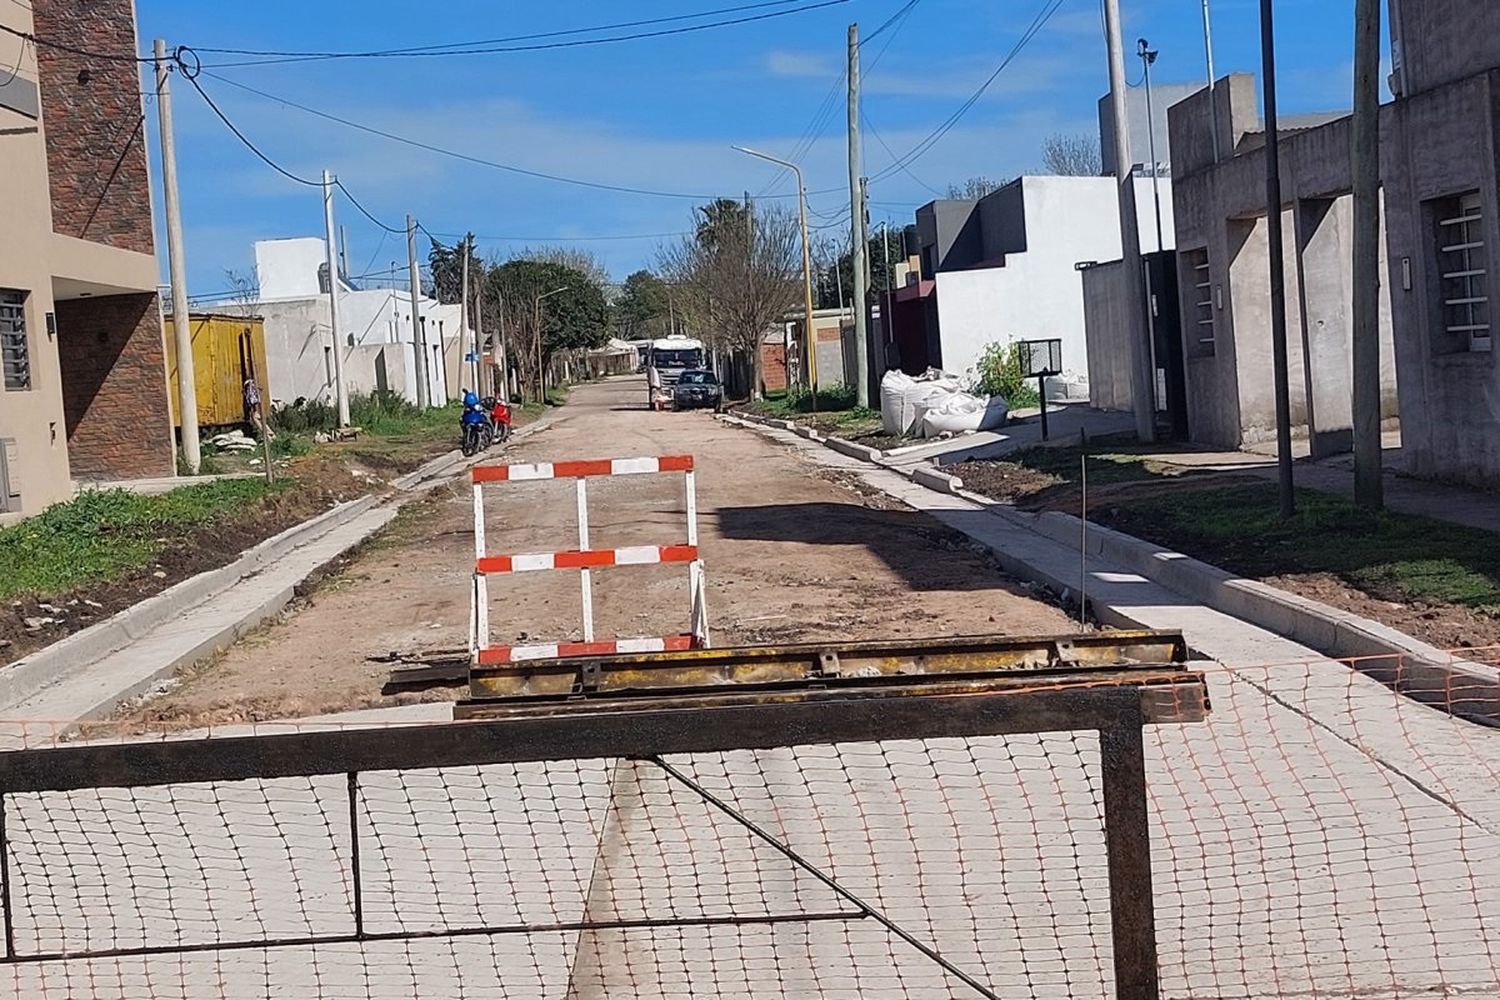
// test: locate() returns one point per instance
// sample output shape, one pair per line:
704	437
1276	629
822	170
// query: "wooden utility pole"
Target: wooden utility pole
182	327
1369	490
341	393
1276	253
419	349
1143	376
859	231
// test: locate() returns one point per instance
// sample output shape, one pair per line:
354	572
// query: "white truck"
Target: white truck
669	357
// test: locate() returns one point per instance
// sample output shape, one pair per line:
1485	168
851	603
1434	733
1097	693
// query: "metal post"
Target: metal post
859	232
359	900
587	584
1277	256
341	392
1143	378
1041	392
1369	490
419	347
1213	91
1127	837
465	334
5	889
1148	57
182	327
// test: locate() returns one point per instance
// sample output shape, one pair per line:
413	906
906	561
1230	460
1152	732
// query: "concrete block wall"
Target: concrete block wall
114	387
96	152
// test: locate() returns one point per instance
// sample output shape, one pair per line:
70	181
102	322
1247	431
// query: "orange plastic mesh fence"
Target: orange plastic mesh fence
1319	836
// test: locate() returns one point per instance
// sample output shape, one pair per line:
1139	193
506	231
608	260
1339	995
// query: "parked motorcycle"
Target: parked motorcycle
500	417
477	425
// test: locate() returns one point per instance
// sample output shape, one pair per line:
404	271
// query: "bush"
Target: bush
831	399
305	417
1001	373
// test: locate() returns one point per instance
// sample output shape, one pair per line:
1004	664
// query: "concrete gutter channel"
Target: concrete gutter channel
1464	688
91	673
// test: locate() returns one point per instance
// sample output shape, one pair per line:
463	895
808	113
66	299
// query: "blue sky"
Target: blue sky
658	113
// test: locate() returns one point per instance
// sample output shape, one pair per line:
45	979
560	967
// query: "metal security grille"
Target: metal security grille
1203	301
1461	261
15	357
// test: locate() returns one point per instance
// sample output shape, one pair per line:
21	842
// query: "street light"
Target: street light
807	297
541	383
1148	58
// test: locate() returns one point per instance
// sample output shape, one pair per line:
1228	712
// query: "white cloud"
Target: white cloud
790	63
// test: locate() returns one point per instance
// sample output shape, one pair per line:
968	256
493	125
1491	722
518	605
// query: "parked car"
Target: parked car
697	388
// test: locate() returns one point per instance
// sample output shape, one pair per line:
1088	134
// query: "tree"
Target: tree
975	188
446	264
1072	156
582	261
575	318
836	274
644	308
738	272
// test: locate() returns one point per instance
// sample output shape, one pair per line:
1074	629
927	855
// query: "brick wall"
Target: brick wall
114	387
92	114
773	366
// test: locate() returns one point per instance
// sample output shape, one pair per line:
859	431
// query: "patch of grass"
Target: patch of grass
1105	466
290	445
558	395
102	535
1390	556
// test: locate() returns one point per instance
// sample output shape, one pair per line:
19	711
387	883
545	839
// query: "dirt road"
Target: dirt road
791	554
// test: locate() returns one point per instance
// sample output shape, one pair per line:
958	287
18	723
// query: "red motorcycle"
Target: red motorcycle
500	416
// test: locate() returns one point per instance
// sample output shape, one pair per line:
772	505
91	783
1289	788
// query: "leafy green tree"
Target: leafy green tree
546	307
644	309
446	264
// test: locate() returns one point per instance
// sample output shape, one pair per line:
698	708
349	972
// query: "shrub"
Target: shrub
1001	373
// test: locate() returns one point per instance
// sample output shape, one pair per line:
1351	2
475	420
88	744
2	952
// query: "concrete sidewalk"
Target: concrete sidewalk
1063	424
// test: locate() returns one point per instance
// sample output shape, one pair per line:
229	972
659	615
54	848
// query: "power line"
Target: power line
365	212
193	79
901	13
495	41
896	160
485	49
454	154
74	50
1044	14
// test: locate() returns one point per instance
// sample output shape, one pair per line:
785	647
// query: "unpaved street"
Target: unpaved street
791	554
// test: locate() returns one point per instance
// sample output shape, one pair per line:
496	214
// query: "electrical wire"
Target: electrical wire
364	211
870	127
1044	14
901	13
497	41
72	49
465	157
193	79
537	47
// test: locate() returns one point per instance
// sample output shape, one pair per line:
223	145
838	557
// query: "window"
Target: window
1200	286
15	356
1462	273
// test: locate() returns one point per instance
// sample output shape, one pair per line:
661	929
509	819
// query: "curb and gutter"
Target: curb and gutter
1463	688
73	662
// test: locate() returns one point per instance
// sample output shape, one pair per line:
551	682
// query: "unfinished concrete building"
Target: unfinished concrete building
1439	168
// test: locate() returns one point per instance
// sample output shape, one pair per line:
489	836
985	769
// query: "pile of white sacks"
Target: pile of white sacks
935	404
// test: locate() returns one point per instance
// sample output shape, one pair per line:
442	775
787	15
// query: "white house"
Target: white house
375	335
1006	266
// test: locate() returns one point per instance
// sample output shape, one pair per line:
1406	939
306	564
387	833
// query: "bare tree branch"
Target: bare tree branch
1072	156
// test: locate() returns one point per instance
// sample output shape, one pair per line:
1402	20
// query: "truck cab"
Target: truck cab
669	357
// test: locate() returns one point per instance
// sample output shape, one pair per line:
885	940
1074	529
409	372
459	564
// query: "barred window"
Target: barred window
1462	269
15	354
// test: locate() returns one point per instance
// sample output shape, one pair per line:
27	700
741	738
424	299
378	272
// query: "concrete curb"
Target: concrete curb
72	658
1423	672
860	451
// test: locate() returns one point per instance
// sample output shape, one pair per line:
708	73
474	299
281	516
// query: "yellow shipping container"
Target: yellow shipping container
227	350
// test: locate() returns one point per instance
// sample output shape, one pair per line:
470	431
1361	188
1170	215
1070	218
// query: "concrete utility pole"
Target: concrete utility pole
419	349
1277	256
859	227
1369	490
341	393
182	327
1213	98
1143	378
465	335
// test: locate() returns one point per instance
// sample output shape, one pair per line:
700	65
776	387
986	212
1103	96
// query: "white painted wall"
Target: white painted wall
1038	294
376	330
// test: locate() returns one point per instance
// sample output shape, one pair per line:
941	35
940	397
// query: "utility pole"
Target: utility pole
341	393
465	335
182	327
1277	255
1213	93
419	349
859	230
1148	59
1369	490
1143	378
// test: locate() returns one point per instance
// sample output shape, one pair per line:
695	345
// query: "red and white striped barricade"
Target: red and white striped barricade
585	559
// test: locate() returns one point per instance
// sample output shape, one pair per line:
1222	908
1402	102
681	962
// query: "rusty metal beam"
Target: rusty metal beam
879	711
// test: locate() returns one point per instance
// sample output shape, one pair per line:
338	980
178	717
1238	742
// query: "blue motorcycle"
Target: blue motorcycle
477	425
